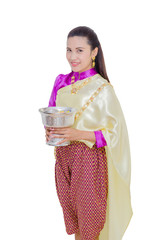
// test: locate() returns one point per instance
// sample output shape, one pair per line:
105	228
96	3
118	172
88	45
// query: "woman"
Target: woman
92	174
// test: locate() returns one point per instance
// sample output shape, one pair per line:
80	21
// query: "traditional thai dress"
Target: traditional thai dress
93	178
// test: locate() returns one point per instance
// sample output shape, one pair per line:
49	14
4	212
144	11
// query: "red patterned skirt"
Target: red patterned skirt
81	177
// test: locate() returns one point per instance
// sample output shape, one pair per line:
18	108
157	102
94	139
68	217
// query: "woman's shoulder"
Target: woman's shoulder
62	77
102	80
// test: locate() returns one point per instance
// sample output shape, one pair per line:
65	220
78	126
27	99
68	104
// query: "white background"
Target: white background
32	54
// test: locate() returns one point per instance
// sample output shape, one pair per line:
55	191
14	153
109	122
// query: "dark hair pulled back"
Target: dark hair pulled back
83	31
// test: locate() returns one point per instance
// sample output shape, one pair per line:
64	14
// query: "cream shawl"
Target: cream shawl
105	113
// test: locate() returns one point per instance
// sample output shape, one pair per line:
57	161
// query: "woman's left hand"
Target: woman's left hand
68	133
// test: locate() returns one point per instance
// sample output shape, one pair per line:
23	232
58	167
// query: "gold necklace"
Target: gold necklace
75	88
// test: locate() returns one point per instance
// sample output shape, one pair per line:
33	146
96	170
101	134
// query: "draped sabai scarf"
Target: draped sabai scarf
98	108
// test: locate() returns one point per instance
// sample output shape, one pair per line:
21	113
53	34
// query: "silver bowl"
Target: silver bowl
57	117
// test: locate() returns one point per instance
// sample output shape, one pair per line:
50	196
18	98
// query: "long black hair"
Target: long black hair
83	31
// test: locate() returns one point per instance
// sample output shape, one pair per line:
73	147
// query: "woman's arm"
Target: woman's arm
87	135
96	136
52	100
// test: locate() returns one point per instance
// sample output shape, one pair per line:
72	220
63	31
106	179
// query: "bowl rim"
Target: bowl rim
42	110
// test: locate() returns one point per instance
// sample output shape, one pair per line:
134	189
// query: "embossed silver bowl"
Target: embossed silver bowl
57	117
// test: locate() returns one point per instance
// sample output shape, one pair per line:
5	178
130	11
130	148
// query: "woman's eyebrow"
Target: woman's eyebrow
77	47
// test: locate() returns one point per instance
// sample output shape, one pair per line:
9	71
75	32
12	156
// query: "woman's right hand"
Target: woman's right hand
47	133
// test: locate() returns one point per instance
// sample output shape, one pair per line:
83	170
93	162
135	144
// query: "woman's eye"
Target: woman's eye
79	50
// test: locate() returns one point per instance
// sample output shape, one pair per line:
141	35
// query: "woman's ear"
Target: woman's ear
95	52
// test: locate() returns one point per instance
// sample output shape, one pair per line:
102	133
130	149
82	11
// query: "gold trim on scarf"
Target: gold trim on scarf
75	88
90	100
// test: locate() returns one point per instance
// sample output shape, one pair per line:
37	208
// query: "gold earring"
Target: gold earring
93	64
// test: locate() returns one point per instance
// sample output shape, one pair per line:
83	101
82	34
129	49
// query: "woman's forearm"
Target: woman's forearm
88	135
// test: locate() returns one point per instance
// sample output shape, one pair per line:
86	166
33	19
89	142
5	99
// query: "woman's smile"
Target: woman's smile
74	64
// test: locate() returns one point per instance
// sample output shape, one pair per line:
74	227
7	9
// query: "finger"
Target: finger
60	142
49	129
60	129
56	131
50	134
47	134
57	136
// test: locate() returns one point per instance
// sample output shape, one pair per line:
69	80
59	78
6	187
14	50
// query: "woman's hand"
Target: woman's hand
48	133
68	133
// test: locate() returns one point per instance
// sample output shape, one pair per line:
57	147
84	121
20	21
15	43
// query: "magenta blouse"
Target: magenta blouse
64	80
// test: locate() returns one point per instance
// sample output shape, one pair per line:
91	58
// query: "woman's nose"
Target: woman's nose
73	56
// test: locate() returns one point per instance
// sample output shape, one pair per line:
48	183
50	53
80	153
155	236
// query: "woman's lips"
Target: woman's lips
74	64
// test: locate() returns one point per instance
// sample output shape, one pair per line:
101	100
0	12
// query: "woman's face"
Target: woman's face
79	54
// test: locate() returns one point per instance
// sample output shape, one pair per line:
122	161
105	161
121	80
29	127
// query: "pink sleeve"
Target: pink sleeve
100	140
52	100
59	82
